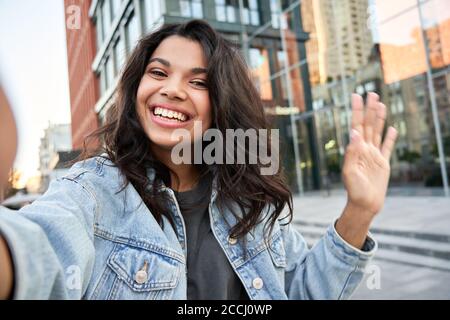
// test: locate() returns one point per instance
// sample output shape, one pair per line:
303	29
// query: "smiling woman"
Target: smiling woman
128	222
182	93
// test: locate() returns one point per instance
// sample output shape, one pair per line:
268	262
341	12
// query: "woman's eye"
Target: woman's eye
158	73
199	84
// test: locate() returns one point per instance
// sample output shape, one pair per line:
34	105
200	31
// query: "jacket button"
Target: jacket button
141	276
232	241
257	283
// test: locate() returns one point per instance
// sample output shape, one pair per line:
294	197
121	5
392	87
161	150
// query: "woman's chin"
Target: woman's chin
166	144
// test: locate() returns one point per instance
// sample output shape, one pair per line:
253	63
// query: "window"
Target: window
231	13
110	72
245	16
259	64
275	10
281	60
254	17
225	11
153	12
119	54
185	8
191	8
102	81
254	13
132	32
255	58
197	9
221	14
99	30
106	15
115	6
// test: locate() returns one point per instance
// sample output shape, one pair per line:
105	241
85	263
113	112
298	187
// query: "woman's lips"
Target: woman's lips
165	122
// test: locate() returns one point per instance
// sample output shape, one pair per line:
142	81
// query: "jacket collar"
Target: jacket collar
151	174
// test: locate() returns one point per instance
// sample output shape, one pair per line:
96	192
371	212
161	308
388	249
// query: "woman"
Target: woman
133	223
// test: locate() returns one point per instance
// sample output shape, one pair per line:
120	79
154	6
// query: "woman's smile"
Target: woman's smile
172	92
168	116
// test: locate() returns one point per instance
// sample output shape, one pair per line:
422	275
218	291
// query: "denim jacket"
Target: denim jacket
86	239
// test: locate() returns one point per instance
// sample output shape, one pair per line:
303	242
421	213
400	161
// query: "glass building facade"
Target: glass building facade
307	57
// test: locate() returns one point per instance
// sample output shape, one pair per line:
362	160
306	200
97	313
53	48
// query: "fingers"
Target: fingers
389	142
356	141
353	149
357	113
371	116
370	124
379	124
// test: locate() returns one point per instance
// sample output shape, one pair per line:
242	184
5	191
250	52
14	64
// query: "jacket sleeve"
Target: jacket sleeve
331	269
51	242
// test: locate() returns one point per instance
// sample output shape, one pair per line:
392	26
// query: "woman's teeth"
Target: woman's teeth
169	114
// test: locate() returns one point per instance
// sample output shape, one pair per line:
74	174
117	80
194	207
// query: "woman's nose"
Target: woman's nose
174	90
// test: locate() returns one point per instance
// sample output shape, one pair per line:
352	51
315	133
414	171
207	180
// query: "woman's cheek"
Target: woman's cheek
204	110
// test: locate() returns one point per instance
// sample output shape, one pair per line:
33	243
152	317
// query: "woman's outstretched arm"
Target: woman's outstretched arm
8	146
366	169
48	245
6	271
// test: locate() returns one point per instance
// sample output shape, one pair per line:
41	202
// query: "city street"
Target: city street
138	78
413	260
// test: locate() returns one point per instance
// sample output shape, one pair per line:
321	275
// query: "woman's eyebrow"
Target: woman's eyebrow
196	70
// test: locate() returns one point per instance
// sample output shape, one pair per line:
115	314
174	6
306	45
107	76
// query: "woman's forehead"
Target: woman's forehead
180	51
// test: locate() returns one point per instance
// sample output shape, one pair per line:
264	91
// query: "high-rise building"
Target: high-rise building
340	42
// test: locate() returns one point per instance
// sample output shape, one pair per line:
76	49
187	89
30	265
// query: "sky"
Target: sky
33	67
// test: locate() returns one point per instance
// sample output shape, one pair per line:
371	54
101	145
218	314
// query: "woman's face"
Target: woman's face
172	93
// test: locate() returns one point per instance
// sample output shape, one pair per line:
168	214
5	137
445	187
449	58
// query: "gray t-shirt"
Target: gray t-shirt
209	273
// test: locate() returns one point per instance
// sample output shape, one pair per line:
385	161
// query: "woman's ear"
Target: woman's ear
8	140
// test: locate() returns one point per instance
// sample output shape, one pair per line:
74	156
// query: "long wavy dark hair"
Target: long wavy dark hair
235	104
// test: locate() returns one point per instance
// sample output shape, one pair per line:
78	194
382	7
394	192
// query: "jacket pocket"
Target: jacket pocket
140	273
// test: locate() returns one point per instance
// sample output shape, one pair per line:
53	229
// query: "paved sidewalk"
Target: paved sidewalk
413	260
420	214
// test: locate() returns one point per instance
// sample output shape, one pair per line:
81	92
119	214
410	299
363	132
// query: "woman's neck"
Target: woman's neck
183	177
